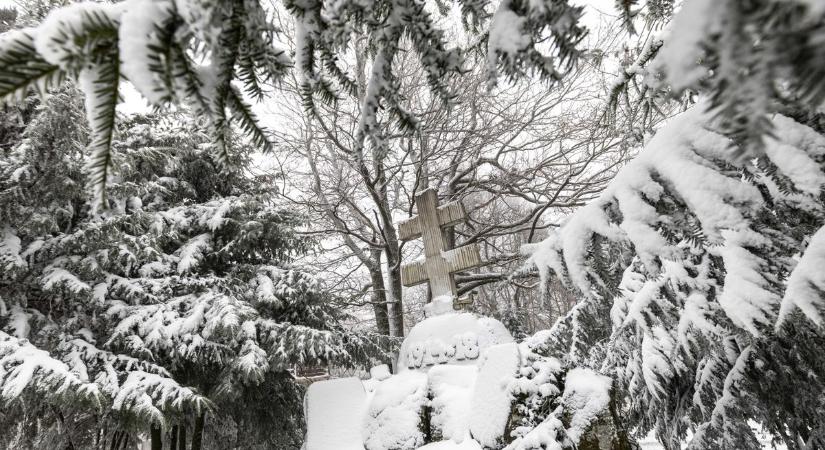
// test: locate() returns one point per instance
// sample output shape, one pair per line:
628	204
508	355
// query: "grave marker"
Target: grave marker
440	263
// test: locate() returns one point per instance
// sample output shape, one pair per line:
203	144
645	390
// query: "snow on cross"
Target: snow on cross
440	263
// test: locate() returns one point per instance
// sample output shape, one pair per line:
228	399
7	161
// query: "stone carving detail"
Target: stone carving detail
436	351
457	338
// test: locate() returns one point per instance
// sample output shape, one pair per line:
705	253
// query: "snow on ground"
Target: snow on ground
468	444
649	442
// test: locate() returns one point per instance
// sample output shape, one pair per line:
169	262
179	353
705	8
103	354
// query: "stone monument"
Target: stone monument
454	372
450	365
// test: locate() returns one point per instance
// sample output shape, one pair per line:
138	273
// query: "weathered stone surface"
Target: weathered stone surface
440	262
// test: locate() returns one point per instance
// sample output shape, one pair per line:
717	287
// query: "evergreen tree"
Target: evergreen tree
699	276
178	301
204	53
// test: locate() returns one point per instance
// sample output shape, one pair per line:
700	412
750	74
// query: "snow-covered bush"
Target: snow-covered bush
558	406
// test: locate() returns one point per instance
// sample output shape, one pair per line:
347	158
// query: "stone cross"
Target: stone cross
440	263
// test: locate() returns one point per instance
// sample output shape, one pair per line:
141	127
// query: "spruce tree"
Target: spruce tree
176	305
701	294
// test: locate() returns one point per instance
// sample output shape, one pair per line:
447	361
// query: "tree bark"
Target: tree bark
117	436
379	295
157	438
197	433
396	304
182	436
173	438
392	247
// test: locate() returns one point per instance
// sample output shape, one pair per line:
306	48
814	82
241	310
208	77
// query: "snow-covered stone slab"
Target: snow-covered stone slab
451	388
467	444
491	404
394	415
457	338
335	412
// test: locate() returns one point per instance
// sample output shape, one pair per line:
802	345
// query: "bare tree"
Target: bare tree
518	158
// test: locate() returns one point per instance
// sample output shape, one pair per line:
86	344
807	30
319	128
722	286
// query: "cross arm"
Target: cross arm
409	229
463	258
414	273
450	214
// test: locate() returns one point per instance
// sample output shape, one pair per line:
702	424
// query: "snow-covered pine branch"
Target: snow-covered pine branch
142	391
203	54
690	252
25	367
193	52
740	53
170	51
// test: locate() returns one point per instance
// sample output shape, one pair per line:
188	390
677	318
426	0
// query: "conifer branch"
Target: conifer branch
24	68
101	84
242	112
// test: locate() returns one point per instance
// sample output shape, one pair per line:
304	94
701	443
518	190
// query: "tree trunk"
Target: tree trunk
157	438
393	251
69	444
379	295
197	433
182	436
396	305
117	436
371	261
173	438
377	188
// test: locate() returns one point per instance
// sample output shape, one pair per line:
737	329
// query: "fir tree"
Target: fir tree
175	306
695	296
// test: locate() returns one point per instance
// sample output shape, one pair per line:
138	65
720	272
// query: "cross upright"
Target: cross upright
440	263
